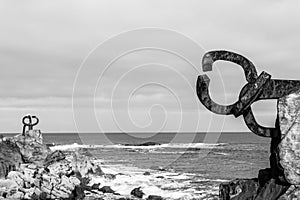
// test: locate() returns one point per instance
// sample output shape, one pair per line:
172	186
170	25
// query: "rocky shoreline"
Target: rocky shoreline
30	170
282	180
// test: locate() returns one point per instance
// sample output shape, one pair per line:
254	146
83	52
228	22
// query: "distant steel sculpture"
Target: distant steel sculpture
27	122
258	88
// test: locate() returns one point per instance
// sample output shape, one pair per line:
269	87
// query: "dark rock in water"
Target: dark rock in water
239	189
143	144
146	173
160	177
250	189
50	144
272	190
109	176
158	168
264	175
154	197
95	186
106	189
137	192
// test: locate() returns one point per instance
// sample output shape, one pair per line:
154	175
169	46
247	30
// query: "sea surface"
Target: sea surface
180	165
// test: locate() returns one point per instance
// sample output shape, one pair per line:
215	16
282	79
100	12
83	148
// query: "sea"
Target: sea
171	165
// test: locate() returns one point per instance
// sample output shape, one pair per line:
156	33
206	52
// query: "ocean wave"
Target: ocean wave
134	146
169	185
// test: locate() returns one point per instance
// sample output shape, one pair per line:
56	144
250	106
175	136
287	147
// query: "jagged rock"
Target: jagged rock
272	190
137	192
54	157
289	148
8	188
17	177
31	147
239	189
62	167
292	193
84	166
10	157
33	171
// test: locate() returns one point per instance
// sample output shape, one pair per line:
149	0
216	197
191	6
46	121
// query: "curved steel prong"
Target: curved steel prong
25	124
36	120
203	95
210	57
257	128
29	119
29	124
250	93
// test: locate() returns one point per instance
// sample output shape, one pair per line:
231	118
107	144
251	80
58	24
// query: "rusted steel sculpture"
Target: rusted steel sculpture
27	122
258	88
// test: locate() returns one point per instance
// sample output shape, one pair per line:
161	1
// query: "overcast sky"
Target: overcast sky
44	43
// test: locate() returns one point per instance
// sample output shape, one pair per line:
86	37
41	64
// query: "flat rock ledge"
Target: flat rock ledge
30	170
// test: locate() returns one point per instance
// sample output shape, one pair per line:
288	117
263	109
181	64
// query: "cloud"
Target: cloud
43	45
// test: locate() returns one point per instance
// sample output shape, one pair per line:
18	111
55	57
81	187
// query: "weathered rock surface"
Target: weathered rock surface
10	157
289	148
282	181
137	192
30	170
239	189
31	147
292	193
250	189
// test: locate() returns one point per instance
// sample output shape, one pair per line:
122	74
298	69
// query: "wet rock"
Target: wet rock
154	197
106	189
137	192
289	148
110	176
239	189
264	175
143	144
146	173
272	190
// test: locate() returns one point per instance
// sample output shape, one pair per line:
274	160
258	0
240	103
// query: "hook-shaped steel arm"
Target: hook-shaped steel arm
203	81
210	57
204	97
257	128
36	120
258	88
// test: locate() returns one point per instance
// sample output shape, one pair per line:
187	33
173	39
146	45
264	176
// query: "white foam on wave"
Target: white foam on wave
169	185
170	145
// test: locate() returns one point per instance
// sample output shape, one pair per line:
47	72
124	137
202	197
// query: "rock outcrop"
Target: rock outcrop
282	180
30	170
289	148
